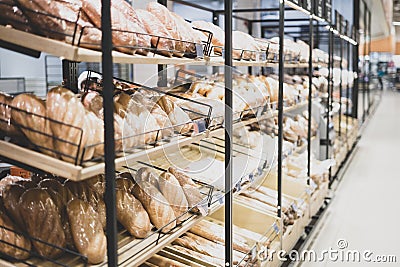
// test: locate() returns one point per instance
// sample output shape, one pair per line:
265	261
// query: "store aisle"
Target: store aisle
365	211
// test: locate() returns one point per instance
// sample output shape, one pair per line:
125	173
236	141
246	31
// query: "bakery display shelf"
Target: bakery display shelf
131	251
79	54
39	161
74	53
251	230
219	61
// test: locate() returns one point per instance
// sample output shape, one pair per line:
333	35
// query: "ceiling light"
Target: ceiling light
396	23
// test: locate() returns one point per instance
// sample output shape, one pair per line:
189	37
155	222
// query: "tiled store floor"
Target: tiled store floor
365	211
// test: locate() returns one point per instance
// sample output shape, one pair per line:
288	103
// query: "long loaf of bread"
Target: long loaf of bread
132	215
160	212
173	192
42	221
154	27
65	107
165	16
11	237
161	261
34	125
215	233
192	193
87	231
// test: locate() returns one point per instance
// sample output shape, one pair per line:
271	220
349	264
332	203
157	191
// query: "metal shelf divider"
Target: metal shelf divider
109	145
228	135
310	79
280	112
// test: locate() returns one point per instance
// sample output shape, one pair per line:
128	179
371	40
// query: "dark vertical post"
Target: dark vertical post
46	72
70	69
250	30
341	85
109	150
228	134
162	75
215	21
347	94
329	104
356	23
364	61
317	36
280	102
310	95
162	68
369	61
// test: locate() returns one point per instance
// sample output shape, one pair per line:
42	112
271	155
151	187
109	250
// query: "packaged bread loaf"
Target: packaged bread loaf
123	183
8	180
123	40
165	16
31	116
186	33
160	212
82	191
60	18
147	174
243	42
42	221
194	197
161	261
206	247
131	214
179	118
56	186
146	124
135	24
215	233
159	115
66	110
154	26
87	231
60	196
18	246
12	15
218	37
94	128
93	102
198	255
61	207
173	193
129	123
10	197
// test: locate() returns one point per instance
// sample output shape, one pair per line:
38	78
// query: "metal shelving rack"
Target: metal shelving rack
108	57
